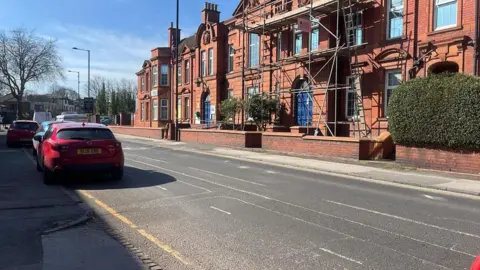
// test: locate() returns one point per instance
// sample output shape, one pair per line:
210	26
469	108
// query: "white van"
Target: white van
41	117
72	118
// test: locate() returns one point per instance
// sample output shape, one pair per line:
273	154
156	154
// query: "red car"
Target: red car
21	132
79	147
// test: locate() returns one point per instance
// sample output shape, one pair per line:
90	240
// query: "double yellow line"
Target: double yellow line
143	233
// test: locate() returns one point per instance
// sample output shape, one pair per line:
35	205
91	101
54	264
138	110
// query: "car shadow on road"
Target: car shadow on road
133	178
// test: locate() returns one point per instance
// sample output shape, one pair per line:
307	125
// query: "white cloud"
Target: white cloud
113	54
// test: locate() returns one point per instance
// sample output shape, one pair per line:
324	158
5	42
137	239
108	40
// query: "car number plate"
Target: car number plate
89	151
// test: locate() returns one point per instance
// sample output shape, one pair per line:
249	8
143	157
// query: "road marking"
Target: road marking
270	172
231	177
134	148
223	211
341	256
309	209
160	187
159	160
148	236
403	219
434	197
243	167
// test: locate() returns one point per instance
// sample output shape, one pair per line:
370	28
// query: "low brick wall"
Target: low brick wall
455	161
250	139
157	133
342	147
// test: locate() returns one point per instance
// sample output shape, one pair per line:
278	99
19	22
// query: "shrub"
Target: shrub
440	111
229	108
260	108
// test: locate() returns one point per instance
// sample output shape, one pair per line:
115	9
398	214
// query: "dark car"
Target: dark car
21	132
79	148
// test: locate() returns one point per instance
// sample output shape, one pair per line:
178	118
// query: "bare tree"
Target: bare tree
96	84
26	58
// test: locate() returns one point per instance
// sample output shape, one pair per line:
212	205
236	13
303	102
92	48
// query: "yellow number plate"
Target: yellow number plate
89	151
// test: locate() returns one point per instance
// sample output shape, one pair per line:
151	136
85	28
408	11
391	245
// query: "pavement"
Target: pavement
44	227
189	207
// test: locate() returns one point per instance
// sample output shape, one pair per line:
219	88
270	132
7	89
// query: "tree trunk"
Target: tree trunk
19	108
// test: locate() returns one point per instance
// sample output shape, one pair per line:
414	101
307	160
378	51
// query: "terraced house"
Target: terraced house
331	64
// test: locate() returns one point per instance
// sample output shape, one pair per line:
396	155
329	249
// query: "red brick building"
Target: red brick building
316	72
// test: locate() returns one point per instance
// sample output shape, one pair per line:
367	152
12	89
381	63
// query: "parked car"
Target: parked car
105	120
21	132
72	117
77	148
40	132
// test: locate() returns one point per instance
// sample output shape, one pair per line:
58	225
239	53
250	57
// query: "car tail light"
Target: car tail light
60	147
113	147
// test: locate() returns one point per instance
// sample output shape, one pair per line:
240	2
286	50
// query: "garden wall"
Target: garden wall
249	139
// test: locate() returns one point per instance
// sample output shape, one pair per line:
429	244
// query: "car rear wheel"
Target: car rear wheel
48	176
117	174
39	169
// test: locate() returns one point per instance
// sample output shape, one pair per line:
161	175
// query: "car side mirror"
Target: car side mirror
38	138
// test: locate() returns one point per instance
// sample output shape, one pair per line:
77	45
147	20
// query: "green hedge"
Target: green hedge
438	111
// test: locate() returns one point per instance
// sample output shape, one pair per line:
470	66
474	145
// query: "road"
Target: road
192	211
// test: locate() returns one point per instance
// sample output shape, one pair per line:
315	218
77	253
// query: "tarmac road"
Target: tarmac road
192	211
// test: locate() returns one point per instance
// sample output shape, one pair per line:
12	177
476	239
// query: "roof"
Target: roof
65	125
188	42
24	121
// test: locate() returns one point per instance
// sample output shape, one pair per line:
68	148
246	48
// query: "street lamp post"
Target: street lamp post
177	39
88	83
78	79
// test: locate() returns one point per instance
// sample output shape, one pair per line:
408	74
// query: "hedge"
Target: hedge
440	111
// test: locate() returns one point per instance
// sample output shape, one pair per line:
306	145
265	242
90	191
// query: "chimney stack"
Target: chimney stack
210	13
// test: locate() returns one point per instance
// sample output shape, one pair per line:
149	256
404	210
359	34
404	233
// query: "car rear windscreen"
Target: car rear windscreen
85	134
25	125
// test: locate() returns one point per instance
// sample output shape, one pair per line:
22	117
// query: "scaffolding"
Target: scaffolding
272	16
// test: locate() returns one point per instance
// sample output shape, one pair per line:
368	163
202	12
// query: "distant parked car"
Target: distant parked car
77	148
41	117
105	120
40	132
21	132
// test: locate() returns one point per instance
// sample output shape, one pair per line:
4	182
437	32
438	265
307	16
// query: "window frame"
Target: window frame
186	114
314	28
231	55
203	63
179	71
435	14
391	9
210	61
187	71
348	91
142	111
142	84
250	50
296	33
155	75
279	46
357	26
164	74
163	106
388	89
155	109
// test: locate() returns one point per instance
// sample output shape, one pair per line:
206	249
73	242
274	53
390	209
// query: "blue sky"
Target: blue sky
119	33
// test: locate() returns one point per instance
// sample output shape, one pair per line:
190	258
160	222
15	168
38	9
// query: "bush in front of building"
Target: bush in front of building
440	111
229	108
259	108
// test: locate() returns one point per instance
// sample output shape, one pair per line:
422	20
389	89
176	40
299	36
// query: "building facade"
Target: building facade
332	65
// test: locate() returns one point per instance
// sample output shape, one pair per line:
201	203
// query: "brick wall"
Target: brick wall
455	161
156	133
222	137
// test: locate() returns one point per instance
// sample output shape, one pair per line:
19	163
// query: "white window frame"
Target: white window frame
142	111
186	114
251	47
279	46
437	3
349	90
389	88
164	105
296	33
315	28
391	9
250	95
203	64
179	70
357	24
142	84
155	75
231	55
162	74
210	61
155	109
187	71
